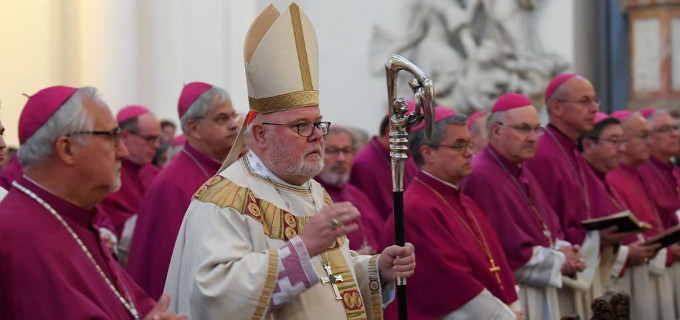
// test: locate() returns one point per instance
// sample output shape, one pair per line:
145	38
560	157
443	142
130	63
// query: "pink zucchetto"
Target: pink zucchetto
130	112
473	118
178	141
621	114
40	107
599	116
510	101
556	83
648	111
440	114
189	94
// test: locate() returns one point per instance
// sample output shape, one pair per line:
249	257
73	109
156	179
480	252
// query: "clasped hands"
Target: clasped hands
573	262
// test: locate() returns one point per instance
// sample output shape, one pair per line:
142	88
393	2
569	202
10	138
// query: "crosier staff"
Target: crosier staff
400	121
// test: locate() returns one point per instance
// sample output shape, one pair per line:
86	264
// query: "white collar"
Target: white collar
40	186
440	180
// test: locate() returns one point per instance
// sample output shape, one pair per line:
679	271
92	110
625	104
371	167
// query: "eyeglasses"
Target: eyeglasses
615	141
336	151
115	133
459	147
224	118
146	138
523	129
305	129
585	101
666	128
644	135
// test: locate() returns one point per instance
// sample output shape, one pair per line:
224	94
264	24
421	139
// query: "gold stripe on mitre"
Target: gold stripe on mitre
281	60
301	47
285	101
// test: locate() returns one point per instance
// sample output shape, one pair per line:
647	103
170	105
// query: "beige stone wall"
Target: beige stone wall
142	52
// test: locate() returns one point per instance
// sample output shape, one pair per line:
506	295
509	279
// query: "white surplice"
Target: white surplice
649	287
483	306
3	193
576	295
538	282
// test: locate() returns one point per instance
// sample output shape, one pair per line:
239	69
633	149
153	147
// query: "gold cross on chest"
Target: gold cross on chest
332	279
547	234
496	270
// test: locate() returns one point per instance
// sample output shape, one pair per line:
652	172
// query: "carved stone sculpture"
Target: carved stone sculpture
474	50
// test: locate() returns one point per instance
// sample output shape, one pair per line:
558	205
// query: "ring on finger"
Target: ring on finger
334	223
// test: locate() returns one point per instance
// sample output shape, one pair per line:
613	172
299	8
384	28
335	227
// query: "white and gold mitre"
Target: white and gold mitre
282	66
281	60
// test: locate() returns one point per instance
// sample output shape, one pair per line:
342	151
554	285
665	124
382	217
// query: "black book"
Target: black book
666	238
625	220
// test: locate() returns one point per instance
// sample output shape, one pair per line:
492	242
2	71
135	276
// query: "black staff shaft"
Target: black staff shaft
399	240
401	119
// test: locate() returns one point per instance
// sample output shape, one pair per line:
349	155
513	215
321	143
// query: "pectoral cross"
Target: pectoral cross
547	234
332	279
496	270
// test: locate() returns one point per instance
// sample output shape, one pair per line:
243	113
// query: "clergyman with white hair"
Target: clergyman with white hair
54	261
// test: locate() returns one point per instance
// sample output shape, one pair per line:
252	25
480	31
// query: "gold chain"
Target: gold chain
526	193
128	305
198	164
480	242
290	209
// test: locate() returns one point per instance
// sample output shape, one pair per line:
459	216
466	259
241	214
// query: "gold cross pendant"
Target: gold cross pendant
332	279
547	234
496	270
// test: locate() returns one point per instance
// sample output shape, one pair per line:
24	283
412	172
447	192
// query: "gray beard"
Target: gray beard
280	159
334	179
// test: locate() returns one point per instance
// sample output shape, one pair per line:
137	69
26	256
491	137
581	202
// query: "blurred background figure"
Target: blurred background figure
10	152
371	170
339	152
176	146
168	129
478	131
140	133
3	154
210	125
160	159
360	137
675	114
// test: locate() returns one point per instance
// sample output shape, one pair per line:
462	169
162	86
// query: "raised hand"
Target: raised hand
324	227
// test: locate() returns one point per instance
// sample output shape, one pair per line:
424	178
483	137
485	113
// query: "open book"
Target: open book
666	238
625	220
